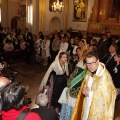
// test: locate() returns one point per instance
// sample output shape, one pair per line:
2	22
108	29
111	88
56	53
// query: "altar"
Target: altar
105	17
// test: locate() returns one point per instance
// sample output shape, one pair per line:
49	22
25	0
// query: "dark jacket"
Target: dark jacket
110	64
116	76
46	113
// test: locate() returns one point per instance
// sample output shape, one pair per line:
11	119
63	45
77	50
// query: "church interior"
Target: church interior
90	18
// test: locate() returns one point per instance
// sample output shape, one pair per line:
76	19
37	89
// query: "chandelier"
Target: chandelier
57	6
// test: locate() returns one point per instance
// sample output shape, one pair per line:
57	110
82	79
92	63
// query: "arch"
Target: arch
15	22
54	24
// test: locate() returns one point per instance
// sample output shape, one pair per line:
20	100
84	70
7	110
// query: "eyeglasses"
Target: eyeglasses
92	63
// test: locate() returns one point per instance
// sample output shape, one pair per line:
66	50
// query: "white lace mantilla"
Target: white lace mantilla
55	66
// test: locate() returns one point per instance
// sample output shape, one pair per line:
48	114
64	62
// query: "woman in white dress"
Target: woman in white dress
64	45
46	49
37	46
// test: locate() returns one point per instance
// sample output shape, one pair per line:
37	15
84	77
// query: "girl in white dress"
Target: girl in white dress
46	49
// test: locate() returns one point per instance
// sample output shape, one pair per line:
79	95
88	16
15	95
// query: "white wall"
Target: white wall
13	9
4	13
9	10
50	15
36	17
79	25
71	23
7	15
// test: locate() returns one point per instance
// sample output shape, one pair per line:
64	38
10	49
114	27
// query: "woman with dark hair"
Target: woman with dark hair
29	49
55	78
12	103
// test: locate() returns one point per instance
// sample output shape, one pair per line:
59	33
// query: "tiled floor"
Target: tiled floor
31	76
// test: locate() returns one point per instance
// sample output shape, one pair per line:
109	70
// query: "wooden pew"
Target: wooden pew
14	55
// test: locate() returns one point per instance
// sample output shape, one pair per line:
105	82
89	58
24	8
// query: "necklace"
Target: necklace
62	66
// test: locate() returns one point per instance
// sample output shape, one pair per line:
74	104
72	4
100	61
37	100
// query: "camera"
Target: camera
12	76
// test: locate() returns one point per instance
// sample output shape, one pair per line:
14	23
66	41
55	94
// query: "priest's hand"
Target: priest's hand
86	91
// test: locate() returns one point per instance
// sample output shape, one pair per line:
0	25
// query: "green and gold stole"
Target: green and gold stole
75	81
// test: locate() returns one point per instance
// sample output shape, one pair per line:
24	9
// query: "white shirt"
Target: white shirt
64	47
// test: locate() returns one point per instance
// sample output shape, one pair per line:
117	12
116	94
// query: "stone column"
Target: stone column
42	15
65	12
28	24
35	27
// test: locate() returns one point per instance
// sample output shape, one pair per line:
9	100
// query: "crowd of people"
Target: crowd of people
93	78
82	81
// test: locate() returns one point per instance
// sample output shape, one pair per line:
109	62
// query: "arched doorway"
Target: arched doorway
54	24
15	21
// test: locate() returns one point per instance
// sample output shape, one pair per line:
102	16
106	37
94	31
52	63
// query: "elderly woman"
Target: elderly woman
12	103
44	112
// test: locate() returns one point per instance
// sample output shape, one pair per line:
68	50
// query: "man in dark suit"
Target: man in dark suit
109	58
103	46
44	112
27	34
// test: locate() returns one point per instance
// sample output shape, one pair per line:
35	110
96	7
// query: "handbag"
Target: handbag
43	91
